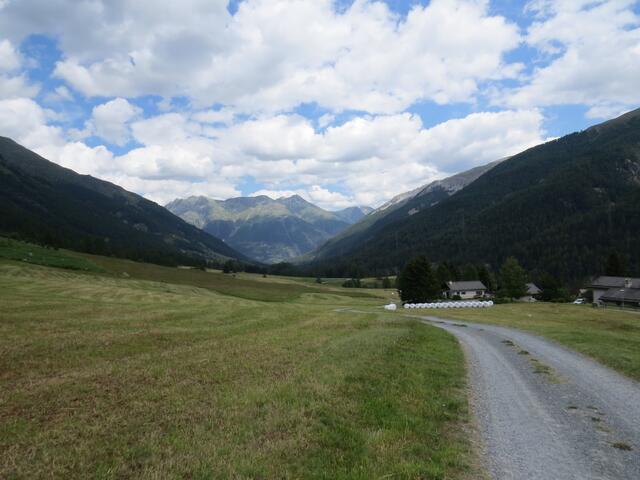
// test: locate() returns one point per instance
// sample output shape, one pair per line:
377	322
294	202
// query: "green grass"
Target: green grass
110	377
35	254
609	336
251	287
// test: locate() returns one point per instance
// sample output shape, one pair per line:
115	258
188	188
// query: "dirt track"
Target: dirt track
545	412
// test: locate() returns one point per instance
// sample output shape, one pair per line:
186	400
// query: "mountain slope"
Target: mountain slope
262	228
560	207
403	205
42	201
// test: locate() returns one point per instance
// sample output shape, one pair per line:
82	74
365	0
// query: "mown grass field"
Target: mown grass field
610	336
103	376
247	286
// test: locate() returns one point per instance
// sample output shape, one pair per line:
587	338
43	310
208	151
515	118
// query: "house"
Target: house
622	297
464	290
606	285
532	292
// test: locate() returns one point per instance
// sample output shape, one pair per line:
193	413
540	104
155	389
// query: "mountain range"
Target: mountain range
44	202
561	207
268	230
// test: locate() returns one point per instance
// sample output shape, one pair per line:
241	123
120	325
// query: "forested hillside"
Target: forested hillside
561	207
400	207
43	202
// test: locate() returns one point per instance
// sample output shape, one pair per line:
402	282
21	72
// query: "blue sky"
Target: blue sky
344	102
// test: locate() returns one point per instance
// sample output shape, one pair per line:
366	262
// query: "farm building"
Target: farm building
616	291
532	292
464	290
622	297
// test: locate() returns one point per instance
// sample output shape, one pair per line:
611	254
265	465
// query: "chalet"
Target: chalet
468	289
603	284
532	293
616	291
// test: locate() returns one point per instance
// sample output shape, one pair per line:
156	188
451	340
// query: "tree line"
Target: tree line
421	281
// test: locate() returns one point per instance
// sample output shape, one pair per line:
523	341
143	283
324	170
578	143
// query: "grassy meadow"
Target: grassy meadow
38	255
148	372
608	335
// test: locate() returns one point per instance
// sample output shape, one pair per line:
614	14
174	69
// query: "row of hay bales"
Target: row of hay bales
464	304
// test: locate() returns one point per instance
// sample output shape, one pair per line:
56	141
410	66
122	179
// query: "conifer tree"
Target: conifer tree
417	282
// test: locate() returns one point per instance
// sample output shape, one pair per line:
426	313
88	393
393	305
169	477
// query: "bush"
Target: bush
502	300
352	283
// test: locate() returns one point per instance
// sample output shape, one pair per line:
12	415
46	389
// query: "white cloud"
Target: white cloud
224	116
594	56
16	86
239	78
164	191
370	158
111	120
23	120
13	83
166	129
9	58
273	54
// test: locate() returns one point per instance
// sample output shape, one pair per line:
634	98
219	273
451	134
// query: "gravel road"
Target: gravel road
545	412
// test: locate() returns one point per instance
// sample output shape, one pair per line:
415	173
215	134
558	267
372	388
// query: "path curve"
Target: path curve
545	412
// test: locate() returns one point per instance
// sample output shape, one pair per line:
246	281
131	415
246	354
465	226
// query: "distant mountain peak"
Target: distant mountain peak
269	230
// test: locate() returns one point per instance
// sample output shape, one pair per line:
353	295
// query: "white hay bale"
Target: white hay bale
391	306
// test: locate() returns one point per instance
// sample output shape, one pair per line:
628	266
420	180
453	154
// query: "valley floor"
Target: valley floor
106	374
111	368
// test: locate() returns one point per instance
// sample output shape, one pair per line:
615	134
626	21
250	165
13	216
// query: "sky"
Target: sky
345	102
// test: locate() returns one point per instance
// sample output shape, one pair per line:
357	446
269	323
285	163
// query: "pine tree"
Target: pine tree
487	277
443	274
417	282
513	279
228	266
